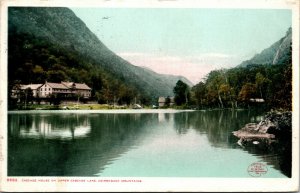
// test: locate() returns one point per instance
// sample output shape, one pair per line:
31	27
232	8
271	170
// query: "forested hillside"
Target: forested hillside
237	86
53	44
261	82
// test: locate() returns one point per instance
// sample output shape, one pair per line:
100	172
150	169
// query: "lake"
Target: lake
139	143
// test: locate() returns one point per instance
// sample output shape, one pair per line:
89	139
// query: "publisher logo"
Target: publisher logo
257	169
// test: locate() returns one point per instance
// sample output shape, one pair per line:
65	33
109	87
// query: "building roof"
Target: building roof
163	99
81	86
31	86
258	100
56	85
62	85
67	84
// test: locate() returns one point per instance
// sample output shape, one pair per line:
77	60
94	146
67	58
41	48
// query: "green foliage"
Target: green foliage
53	44
247	92
182	93
26	66
235	87
261	83
65	49
199	94
55	99
168	101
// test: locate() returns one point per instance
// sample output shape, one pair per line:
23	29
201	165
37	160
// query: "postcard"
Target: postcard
149	95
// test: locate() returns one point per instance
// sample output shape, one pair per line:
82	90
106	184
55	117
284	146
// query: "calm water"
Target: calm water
135	143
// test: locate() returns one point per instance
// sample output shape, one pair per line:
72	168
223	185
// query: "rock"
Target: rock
265	125
275	124
252	134
250	126
270	136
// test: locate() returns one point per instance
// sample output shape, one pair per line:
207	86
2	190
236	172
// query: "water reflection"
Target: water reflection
85	144
277	153
49	126
98	139
217	125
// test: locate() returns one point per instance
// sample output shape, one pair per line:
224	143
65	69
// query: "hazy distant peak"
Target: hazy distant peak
275	54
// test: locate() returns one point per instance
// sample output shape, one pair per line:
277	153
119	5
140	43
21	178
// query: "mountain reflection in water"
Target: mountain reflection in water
63	144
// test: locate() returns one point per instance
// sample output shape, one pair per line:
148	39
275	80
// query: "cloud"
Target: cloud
194	68
216	55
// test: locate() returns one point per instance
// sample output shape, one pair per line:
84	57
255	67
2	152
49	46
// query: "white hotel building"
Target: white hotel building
64	89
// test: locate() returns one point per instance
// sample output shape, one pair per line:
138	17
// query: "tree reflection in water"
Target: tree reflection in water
85	144
218	126
50	145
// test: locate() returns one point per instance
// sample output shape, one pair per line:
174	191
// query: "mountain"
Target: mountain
160	77
278	53
58	33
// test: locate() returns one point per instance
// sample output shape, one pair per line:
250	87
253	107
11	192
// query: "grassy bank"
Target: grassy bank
75	107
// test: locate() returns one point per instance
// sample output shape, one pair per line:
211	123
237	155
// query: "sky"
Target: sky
186	41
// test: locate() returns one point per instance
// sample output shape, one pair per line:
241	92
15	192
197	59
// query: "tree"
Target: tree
38	74
182	93
168	101
261	82
214	81
248	91
55	99
227	94
199	93
56	75
14	93
280	92
287	88
26	96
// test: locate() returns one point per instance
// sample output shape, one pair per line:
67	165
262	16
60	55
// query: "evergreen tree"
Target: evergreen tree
182	93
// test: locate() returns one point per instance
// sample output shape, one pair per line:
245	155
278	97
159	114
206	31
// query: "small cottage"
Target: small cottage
161	101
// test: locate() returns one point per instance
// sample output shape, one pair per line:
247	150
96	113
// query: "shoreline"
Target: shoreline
106	111
119	110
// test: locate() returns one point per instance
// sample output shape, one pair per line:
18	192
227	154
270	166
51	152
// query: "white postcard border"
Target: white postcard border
150	184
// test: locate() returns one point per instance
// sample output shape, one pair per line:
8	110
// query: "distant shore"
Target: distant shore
111	111
71	106
74	107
